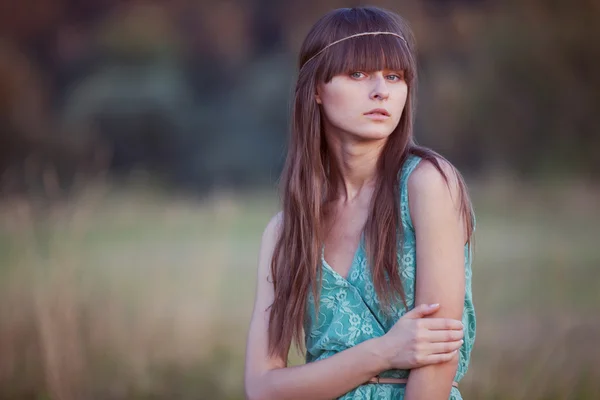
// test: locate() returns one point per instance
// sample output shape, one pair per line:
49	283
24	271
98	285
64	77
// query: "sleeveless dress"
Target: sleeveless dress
350	312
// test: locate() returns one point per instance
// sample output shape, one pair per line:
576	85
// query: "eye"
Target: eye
395	77
356	75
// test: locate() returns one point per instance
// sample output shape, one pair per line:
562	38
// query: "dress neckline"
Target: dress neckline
352	264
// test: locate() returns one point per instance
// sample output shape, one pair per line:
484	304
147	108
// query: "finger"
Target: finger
421	310
435	324
439	358
445	347
443	336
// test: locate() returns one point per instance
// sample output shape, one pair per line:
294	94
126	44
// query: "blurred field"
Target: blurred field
140	295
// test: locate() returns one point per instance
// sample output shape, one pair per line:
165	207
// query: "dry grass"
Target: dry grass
142	296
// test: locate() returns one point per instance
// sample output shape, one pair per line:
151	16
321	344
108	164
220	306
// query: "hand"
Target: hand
415	341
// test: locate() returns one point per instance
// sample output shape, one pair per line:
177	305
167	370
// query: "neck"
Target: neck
355	163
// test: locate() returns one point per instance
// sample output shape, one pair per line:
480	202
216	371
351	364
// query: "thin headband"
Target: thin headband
350	37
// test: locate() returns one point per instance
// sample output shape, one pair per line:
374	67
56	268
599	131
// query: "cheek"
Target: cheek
400	94
337	104
399	100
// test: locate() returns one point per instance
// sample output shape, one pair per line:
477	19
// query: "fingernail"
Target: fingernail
434	305
462	341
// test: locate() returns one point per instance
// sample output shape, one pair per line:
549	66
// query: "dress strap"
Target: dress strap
409	166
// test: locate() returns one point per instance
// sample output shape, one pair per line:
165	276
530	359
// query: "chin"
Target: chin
374	134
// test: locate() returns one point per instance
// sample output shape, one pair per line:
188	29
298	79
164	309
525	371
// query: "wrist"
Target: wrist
380	353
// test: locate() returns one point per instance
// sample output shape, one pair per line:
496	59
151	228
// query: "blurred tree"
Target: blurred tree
136	100
30	143
533	89
198	92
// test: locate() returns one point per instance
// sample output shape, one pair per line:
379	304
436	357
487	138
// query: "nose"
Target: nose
380	90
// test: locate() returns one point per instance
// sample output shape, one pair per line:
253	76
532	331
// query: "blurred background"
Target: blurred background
140	147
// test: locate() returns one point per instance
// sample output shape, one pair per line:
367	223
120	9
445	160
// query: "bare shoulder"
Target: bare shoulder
268	242
426	183
273	228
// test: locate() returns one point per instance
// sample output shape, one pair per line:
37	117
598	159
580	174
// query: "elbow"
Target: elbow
252	393
258	394
252	390
255	394
256	389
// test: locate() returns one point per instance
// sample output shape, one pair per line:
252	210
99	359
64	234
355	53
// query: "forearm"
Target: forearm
433	382
323	379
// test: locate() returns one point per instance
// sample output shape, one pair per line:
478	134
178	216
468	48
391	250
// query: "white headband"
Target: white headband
350	37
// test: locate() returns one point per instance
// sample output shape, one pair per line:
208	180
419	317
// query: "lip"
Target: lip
378	113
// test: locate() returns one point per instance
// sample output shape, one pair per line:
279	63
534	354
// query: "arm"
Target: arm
440	236
412	342
268	378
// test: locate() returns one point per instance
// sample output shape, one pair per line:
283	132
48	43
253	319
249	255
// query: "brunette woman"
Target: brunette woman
371	226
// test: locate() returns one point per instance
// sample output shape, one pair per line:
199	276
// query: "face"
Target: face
363	105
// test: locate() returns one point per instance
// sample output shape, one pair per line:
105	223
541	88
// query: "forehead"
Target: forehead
365	53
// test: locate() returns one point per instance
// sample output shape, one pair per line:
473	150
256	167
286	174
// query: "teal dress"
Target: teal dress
350	312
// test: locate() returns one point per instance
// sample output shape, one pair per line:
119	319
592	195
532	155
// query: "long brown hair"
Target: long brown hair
308	183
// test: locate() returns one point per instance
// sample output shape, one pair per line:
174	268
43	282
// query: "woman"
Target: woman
348	236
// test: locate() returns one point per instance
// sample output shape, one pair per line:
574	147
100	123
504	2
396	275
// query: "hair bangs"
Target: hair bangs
366	53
